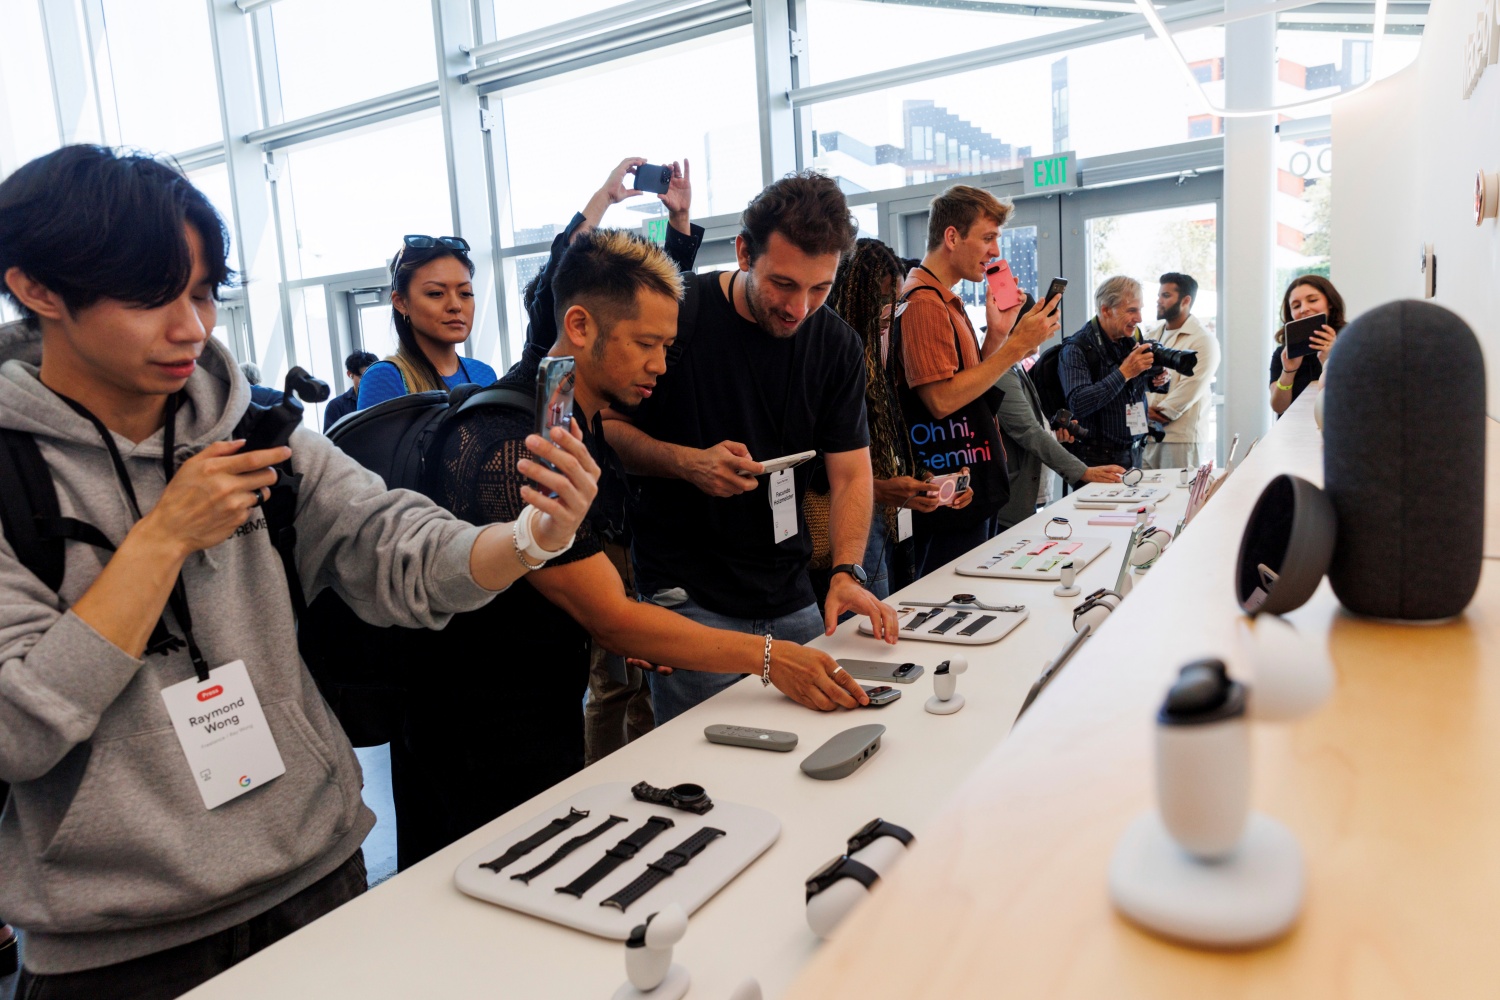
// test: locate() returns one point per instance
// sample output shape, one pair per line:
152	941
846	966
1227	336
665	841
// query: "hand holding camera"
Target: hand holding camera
1138	362
1063	421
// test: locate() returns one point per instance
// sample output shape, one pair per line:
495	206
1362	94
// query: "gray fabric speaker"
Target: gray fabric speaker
1403	462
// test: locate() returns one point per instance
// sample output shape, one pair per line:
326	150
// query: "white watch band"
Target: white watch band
526	541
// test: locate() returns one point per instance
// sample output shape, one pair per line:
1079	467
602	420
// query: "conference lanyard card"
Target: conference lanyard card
782	489
224	733
1019	558
1135	418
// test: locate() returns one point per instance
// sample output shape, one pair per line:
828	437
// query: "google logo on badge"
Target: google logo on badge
244	781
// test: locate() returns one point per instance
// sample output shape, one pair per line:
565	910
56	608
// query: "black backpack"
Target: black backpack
1046	374
361	669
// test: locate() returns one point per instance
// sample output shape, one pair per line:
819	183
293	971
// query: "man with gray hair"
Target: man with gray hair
1105	373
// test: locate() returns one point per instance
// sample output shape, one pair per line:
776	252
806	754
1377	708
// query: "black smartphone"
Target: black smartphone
881	696
554	396
654	178
1298	335
1058	286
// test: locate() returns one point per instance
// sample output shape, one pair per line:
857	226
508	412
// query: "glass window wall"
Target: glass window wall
28	122
513	18
162	111
564	135
354	197
330	53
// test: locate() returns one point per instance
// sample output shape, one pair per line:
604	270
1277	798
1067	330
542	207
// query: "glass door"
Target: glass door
1144	231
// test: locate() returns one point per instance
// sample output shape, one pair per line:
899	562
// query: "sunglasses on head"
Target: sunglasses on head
427	242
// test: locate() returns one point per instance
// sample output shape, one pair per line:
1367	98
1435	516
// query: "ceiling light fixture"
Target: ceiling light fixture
1148	11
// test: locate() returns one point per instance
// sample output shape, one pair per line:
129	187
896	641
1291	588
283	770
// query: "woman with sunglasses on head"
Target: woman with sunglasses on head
1309	295
432	308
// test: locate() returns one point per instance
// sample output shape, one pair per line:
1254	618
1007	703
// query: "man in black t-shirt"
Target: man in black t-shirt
762	371
616	312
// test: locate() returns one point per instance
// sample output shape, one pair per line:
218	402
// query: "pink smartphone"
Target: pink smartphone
1004	288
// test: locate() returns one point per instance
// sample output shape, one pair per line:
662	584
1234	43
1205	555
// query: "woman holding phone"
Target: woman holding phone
432	309
1309	295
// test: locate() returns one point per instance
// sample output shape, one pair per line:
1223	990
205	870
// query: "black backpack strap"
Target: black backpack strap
26	495
687	313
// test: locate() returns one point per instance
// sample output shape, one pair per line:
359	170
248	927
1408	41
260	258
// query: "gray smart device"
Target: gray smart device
749	736
876	670
842	755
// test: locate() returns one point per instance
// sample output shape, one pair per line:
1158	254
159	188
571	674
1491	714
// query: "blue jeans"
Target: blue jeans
675	693
878	558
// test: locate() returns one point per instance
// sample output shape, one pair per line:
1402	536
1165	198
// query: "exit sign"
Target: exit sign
655	230
1057	172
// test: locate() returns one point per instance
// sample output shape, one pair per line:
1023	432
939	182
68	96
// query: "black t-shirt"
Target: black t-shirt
1306	374
776	396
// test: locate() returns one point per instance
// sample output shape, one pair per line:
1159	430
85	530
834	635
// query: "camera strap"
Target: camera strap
161	640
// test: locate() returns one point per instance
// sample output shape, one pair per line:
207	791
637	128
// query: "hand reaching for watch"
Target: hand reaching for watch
847	594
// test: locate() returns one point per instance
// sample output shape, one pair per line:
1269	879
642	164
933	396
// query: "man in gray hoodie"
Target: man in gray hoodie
123	877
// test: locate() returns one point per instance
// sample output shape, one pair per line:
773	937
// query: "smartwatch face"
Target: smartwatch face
688	793
1132	477
823	877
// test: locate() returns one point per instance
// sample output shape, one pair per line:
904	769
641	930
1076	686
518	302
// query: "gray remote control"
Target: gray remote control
842	755
749	736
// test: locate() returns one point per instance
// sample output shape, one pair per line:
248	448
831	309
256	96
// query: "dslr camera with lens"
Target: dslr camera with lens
1167	357
1063	420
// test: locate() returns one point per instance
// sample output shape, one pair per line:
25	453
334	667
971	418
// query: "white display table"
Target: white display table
418	936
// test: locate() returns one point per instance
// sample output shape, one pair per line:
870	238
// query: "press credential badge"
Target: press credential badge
224	733
1135	418
782	490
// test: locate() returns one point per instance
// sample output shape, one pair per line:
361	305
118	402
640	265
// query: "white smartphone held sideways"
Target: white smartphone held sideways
775	465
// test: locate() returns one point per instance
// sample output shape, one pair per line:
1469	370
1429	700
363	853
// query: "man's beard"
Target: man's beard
1171	314
761	319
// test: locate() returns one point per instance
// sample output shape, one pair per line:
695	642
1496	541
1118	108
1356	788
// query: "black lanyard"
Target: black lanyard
177	601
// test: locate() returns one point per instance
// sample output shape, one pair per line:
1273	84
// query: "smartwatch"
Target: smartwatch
841	867
687	797
1058	529
874	830
853	569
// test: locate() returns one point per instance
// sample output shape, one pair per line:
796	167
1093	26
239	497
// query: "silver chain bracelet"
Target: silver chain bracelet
765	671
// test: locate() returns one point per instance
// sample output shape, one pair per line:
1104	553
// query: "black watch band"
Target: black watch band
568	847
874	830
664	867
524	847
841	867
853	569
617	856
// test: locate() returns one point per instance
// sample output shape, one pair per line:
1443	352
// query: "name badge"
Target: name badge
1135	418
782	489
903	524
224	733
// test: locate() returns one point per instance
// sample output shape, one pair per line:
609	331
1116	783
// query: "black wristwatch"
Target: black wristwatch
853	569
840	867
688	798
874	830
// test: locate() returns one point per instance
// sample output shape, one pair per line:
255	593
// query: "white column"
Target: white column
257	254
468	181
773	72
1249	226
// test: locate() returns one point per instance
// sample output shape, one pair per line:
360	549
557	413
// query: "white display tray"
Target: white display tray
992	631
748	831
996	564
1107	493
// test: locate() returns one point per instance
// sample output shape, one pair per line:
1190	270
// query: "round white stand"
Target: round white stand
673	987
939	707
1072	591
1248	899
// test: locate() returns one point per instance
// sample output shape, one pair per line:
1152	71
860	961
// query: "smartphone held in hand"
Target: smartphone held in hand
554	396
653	177
1004	288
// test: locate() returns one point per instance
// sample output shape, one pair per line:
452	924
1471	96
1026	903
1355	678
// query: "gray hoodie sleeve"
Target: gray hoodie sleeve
394	556
1020	422
57	675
